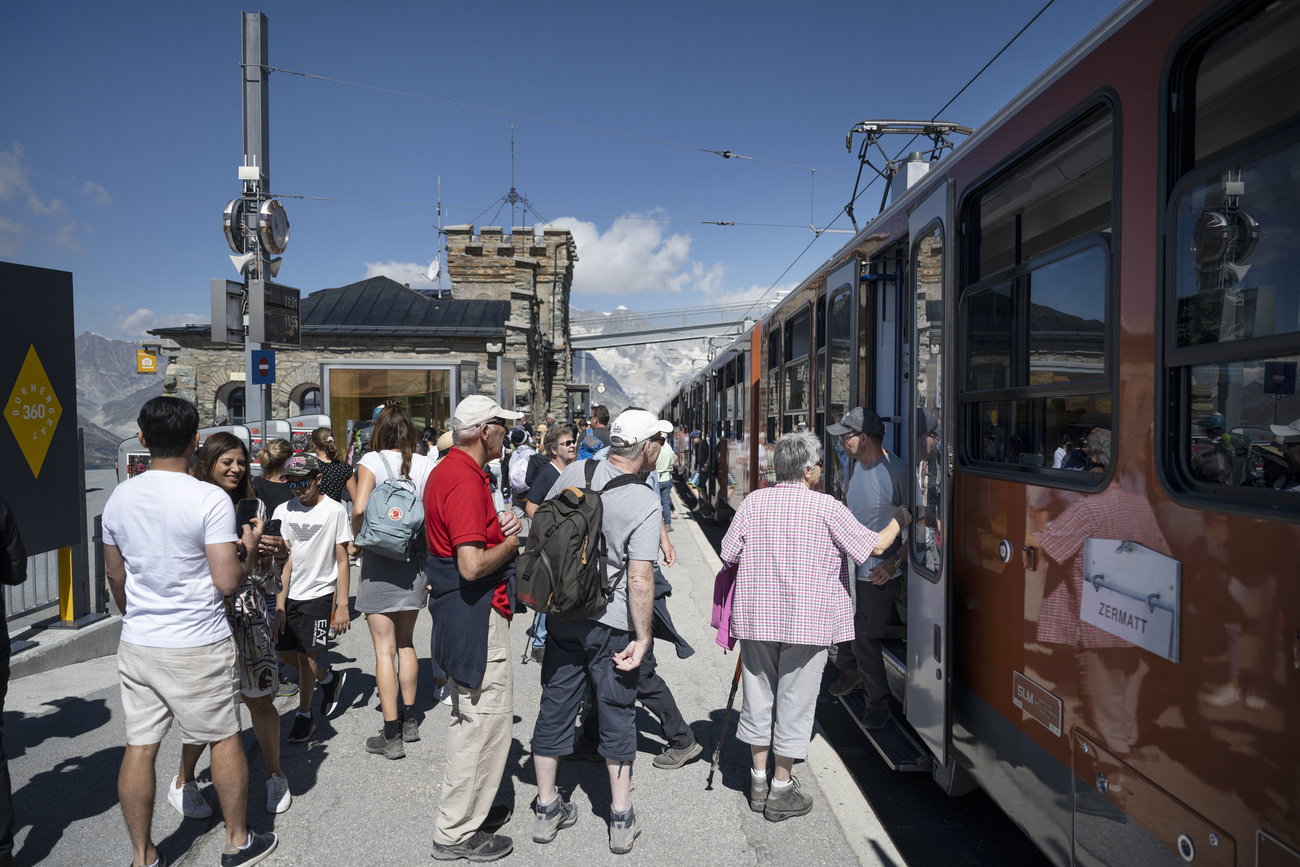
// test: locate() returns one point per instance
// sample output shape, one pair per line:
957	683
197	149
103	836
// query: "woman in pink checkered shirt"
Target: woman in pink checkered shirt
791	603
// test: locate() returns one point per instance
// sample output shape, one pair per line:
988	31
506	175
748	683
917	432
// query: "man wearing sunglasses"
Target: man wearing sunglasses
472	549
876	489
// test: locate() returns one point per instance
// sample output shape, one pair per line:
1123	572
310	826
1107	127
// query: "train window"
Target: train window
1232	342
1247	82
798	371
1035	323
927	397
1055	195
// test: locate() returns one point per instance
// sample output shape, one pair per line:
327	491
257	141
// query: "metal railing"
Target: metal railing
40	590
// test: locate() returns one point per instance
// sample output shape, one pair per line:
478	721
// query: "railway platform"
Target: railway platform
64	737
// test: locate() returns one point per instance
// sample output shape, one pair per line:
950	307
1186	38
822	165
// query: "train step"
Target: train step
895	742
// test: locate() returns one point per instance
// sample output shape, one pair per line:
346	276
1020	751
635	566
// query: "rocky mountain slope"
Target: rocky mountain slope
642	374
109	395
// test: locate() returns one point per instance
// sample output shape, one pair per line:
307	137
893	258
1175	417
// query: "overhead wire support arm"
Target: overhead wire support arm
872	131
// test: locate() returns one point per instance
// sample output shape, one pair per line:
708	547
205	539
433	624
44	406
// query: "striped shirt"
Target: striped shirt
791	584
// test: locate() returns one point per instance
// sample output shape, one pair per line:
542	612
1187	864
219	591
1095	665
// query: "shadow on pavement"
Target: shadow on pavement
71	718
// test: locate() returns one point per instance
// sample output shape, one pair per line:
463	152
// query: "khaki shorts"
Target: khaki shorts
199	686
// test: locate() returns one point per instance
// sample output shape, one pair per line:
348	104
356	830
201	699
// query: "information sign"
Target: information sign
273	313
38	443
261	364
145	362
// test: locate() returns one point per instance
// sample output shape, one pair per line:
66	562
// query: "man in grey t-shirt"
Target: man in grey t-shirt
877	487
607	648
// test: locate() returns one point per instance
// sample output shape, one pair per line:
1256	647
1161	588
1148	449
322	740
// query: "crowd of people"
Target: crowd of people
221	573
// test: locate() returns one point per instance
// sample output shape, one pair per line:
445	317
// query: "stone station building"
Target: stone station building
503	332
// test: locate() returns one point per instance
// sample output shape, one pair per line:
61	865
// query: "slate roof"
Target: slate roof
380	305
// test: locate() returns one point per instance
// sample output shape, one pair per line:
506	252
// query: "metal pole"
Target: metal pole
257	151
81	552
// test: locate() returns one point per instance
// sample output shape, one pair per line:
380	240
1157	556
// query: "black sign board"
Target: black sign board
272	313
38	382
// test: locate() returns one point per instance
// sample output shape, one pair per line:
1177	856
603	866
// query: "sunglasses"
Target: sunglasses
821	461
497	421
659	438
300	484
845	437
566	443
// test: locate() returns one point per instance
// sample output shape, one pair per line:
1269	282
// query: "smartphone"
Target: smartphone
245	512
272	527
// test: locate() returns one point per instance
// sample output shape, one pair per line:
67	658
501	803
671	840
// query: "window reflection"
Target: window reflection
927	459
1238	266
1030	432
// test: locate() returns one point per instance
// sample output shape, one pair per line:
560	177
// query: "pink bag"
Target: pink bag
724	592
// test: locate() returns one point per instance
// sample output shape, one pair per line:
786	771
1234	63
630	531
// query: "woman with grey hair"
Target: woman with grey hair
791	603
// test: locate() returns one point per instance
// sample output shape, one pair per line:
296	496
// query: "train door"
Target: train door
889	347
928	640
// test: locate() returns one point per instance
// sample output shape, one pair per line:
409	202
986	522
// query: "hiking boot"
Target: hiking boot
786	802
303	727
848	682
758	789
329	693
538	655
551	818
623	831
410	730
259	846
481	846
187	800
876	717
389	749
498	817
674	757
278	798
286	688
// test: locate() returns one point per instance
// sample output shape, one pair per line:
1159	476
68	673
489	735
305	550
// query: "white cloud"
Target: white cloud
11	236
135	324
634	256
15	183
402	272
95	193
66	238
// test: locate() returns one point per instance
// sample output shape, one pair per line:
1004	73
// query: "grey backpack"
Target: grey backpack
393	525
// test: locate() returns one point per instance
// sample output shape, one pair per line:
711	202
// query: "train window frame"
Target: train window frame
917	549
802	316
968	279
1175	364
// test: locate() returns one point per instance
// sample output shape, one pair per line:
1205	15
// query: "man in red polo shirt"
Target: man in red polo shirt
471	555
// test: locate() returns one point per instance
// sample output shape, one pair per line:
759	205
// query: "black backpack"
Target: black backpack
561	572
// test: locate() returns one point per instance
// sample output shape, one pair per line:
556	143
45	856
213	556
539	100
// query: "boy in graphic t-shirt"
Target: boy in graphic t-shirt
314	592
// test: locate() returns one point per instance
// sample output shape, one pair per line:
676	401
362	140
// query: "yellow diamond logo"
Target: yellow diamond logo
33	411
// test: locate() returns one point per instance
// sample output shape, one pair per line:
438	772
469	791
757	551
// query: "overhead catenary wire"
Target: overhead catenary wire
762	298
552	214
726	154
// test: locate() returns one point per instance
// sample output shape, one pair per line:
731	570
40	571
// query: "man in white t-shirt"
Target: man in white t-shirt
314	592
877	487
172	552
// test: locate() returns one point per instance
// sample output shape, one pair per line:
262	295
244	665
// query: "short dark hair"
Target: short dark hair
168	424
601	412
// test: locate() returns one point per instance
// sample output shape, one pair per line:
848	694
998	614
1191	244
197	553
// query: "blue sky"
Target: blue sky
119	148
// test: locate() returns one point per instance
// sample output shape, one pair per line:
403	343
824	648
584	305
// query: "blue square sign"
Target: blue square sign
261	366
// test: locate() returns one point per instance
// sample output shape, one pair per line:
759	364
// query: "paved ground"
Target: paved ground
63	734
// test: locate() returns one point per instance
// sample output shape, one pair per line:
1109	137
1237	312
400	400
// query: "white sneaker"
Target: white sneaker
442	693
187	801
278	798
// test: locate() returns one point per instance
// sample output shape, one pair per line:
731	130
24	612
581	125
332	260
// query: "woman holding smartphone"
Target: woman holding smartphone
223	461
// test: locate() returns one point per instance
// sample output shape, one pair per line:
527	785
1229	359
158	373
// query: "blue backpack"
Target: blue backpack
589	446
393	525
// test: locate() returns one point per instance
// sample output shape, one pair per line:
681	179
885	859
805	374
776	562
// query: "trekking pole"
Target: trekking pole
528	647
726	718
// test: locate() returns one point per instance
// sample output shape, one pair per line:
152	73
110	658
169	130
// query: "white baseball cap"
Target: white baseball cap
636	425
479	409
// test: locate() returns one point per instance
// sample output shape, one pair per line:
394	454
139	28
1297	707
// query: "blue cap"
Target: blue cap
374	416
